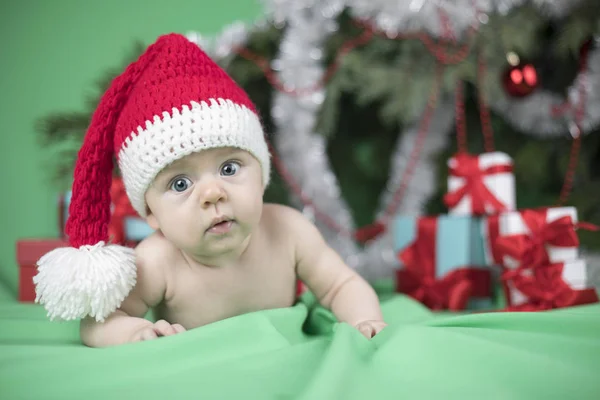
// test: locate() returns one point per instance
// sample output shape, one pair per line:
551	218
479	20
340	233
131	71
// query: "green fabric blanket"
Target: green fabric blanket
302	353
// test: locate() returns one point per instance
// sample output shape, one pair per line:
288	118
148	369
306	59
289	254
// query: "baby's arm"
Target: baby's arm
337	286
127	324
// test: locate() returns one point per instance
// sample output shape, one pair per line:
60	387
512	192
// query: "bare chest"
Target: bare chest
203	296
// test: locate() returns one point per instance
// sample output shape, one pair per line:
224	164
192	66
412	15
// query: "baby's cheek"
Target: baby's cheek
182	226
187	236
254	210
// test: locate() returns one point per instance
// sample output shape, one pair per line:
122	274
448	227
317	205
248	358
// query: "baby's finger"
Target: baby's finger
178	328
379	326
148	334
367	331
163	328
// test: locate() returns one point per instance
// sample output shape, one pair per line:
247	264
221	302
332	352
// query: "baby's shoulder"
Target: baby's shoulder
284	220
152	261
155	252
282	215
289	226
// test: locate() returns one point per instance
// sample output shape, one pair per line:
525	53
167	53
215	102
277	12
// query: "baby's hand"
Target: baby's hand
156	330
370	328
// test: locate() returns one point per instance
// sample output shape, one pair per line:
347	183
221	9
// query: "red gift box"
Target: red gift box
29	251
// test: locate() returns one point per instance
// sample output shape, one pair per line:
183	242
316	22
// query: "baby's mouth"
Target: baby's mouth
220	225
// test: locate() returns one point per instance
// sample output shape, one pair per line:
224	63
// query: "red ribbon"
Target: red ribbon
369	232
467	167
417	278
546	290
122	209
530	249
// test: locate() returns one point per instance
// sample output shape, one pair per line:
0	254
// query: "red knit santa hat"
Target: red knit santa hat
173	101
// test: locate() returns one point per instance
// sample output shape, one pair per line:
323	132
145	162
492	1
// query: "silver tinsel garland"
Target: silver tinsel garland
222	46
402	16
398	17
531	115
299	66
295	118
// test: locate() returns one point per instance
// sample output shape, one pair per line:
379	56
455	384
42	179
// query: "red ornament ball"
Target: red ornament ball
587	46
520	80
584	50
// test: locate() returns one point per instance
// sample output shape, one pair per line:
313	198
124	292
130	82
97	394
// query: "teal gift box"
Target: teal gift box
451	243
136	229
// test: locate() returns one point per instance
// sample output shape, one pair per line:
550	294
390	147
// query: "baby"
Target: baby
195	164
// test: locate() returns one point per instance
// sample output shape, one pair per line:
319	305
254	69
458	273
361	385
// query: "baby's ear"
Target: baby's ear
151	220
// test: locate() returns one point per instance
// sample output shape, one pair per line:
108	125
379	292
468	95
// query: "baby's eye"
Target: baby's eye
230	168
180	184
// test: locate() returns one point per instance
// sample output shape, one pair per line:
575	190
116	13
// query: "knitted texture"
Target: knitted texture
173	101
91	280
183	103
219	123
89	210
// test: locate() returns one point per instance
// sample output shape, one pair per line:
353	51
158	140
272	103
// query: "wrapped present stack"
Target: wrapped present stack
537	252
442	258
454	261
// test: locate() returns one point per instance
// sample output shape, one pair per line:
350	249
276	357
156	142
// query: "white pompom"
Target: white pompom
91	280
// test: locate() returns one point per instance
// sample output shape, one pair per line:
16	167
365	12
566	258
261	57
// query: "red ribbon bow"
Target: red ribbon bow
530	249
122	209
417	278
467	167
545	290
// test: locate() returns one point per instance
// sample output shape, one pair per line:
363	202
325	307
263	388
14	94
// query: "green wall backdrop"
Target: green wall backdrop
51	54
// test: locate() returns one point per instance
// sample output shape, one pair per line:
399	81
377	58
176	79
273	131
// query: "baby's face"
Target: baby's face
207	203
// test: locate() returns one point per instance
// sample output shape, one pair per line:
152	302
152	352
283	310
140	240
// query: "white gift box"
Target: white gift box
575	274
512	223
500	184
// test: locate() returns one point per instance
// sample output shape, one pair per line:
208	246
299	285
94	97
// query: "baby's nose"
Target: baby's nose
212	193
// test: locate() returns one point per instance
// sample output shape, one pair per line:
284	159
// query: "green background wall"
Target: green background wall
51	54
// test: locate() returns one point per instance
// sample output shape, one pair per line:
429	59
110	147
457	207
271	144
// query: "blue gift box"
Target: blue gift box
136	228
459	243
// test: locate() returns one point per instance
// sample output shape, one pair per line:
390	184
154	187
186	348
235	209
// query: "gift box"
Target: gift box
28	252
550	286
490	230
442	262
480	184
136	229
530	238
